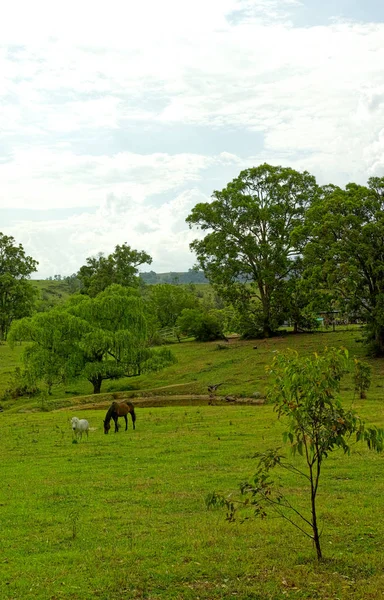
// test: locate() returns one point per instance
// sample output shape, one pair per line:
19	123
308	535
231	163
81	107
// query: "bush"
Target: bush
19	385
203	326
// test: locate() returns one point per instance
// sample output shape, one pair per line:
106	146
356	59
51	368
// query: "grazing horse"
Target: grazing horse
78	426
116	410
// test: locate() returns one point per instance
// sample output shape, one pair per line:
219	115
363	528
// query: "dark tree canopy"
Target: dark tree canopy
248	252
120	267
17	295
344	253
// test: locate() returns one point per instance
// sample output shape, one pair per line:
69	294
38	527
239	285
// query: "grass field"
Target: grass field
237	364
123	515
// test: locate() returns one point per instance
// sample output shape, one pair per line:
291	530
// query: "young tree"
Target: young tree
344	253
120	267
304	392
362	378
17	295
248	252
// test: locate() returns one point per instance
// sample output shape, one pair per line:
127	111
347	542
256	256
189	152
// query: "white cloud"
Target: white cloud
60	179
82	82
62	246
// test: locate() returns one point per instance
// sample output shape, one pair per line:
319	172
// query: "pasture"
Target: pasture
123	515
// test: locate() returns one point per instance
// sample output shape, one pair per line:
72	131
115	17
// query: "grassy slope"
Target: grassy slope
123	515
237	364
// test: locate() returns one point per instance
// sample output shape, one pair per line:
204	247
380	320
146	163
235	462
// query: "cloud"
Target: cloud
62	246
82	83
63	179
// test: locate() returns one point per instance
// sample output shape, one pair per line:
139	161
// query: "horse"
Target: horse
116	410
78	426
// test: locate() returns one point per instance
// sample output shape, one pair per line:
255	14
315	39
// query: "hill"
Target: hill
182	277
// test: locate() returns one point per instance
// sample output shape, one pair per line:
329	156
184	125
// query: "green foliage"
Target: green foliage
304	393
53	355
362	377
344	254
98	338
203	326
166	303
248	252
120	267
17	295
19	385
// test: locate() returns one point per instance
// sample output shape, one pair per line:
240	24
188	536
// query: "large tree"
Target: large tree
344	253
247	252
120	267
96	338
17	295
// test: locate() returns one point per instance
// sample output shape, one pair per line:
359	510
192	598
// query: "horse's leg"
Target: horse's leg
116	418
126	422
133	421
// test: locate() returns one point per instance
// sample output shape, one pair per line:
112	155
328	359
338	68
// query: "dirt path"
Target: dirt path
161	401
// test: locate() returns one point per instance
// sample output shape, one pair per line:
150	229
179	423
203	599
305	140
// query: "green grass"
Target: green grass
123	516
238	365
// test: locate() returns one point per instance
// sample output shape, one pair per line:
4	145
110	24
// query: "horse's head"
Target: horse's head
107	426
74	422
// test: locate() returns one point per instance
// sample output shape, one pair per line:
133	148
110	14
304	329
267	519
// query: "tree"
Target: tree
248	252
304	392
96	338
344	253
120	267
167	302
362	378
17	295
53	355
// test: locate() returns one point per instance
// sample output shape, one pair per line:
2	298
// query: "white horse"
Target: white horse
78	426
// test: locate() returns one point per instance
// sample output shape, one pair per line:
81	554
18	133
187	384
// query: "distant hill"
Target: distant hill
175	277
57	289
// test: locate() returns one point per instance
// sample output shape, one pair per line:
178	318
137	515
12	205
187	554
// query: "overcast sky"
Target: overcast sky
118	116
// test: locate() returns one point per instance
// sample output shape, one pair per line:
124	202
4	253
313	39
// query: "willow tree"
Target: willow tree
248	252
96	338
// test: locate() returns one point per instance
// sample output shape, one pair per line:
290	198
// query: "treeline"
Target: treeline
276	248
149	277
174	277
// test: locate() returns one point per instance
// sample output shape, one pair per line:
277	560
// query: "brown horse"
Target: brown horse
116	410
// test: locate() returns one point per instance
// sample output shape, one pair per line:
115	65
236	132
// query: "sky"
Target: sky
118	117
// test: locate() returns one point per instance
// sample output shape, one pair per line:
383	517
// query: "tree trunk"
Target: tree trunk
316	537
96	382
379	339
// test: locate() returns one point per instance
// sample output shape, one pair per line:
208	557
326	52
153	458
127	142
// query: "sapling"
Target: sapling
362	378
304	392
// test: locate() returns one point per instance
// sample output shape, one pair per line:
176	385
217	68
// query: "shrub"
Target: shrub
203	326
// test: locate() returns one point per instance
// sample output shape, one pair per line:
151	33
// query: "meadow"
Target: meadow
123	515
